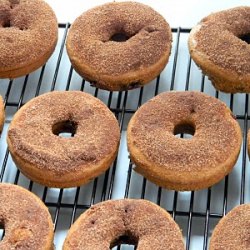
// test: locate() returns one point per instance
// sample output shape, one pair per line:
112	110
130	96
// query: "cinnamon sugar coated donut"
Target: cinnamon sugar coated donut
26	220
119	45
135	222
232	231
178	163
28	36
219	46
2	114
46	157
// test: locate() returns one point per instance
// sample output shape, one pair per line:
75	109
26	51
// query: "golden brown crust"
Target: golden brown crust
232	231
2	114
216	47
134	221
28	36
119	65
184	164
26	220
63	162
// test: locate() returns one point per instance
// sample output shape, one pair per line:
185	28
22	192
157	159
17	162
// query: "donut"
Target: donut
26	220
46	157
232	231
219	46
119	46
114	222
28	36
2	115
178	163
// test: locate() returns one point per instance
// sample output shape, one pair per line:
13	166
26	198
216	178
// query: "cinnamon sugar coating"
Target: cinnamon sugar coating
32	136
26	220
184	164
232	231
28	33
95	55
137	222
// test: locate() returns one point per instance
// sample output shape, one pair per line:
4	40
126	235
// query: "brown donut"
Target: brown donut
232	232
217	46
26	220
2	114
96	54
56	161
136	222
177	163
28	36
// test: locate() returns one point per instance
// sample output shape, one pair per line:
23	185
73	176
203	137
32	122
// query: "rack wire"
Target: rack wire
197	213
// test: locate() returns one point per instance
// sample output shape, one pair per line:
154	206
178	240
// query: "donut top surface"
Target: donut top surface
232	231
25	218
27	29
153	127
125	221
218	35
149	36
34	131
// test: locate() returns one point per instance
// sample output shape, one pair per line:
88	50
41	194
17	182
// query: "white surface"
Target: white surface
185	13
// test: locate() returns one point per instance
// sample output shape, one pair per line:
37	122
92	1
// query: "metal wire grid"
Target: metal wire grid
102	188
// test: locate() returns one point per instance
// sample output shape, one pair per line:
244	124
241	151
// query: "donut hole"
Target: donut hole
119	37
64	129
126	239
245	38
185	130
6	24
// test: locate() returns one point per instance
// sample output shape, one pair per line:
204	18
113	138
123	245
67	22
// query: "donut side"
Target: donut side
2	114
27	221
130	80
232	231
12	73
75	178
176	180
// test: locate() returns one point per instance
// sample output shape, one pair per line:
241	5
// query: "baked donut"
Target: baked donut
219	46
26	220
28	36
177	163
2	115
46	157
114	222
232	232
119	45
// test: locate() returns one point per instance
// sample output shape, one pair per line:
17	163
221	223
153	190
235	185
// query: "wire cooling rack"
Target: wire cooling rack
197	213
